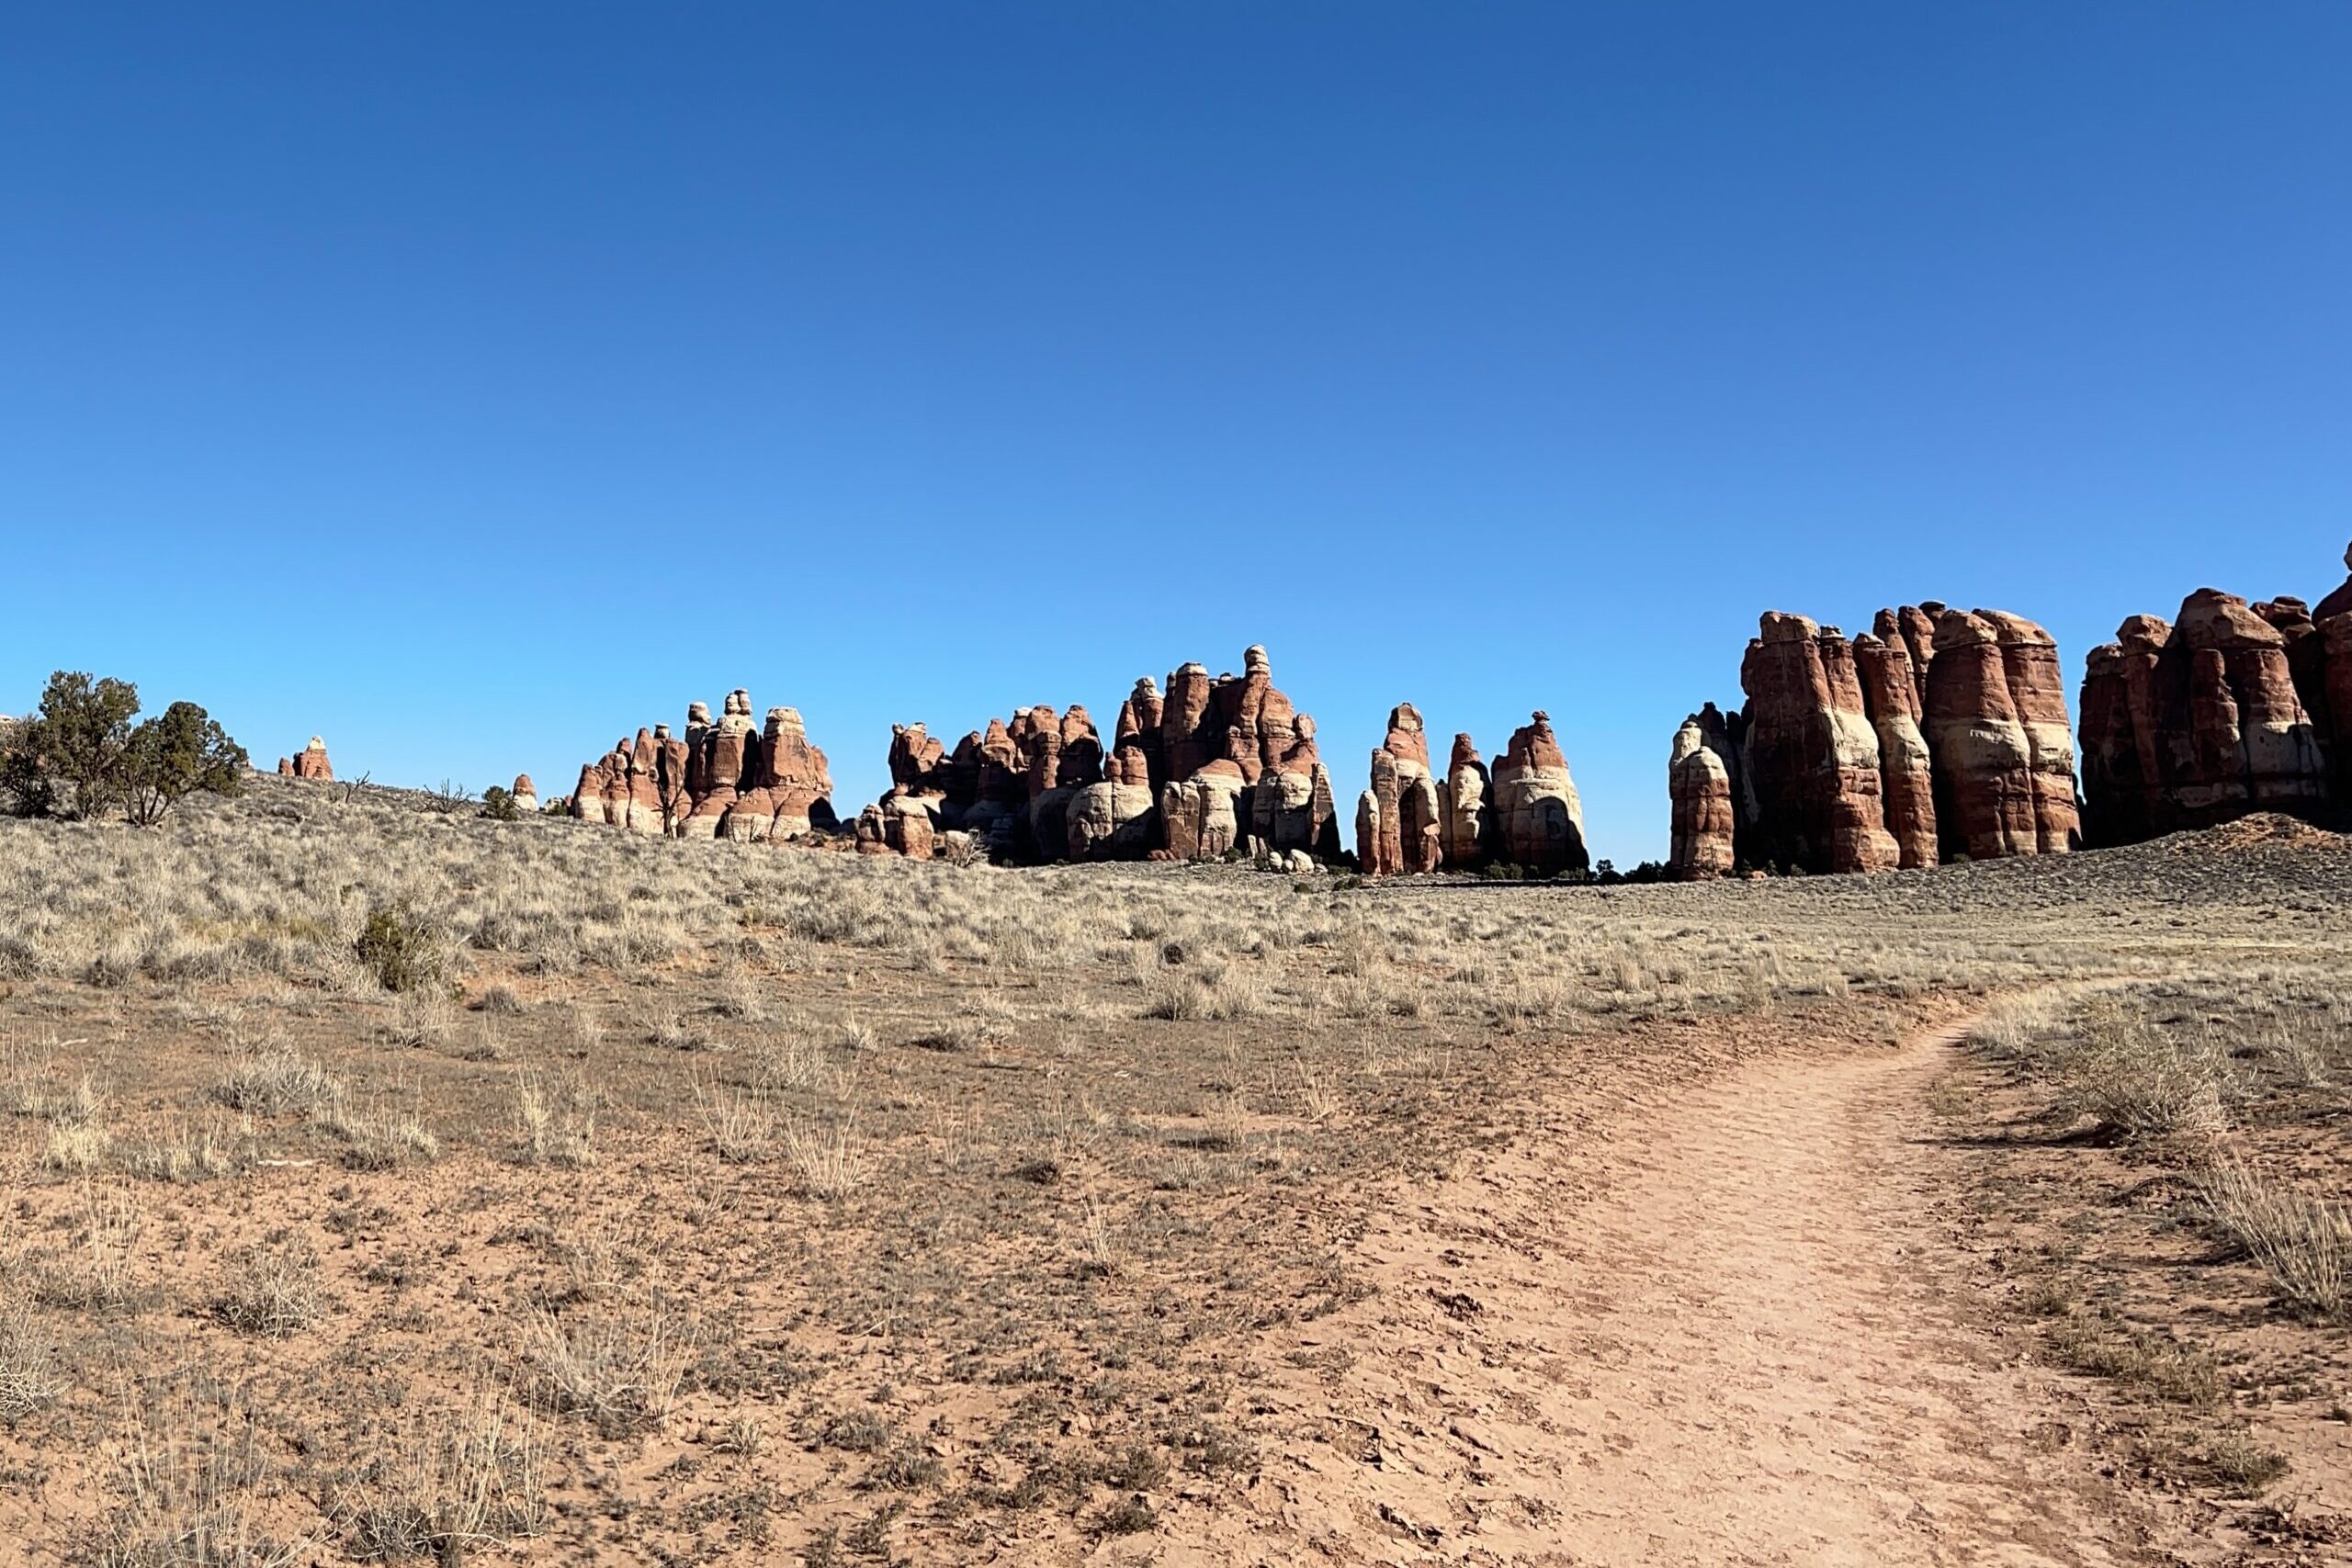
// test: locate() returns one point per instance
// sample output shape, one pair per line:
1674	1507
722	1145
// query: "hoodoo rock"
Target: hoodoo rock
1111	820
1813	751
785	787
917	761
1218	765
1523	812
310	763
527	798
898	823
1408	813
1698	778
2232	708
1539	822
1938	733
1380	850
1996	723
1141	729
1199	812
1466	818
723	780
1896	699
2339	602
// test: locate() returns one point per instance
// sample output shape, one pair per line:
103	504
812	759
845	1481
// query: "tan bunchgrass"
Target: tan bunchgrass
2304	1245
826	1161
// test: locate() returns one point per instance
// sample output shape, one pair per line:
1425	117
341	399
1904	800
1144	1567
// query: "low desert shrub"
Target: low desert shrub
182	1488
278	1078
405	949
2126	1072
2304	1244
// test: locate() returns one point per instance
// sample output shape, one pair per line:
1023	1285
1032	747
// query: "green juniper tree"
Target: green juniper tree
174	755
78	757
66	758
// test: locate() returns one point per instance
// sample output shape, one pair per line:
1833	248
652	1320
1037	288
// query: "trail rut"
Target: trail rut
1730	1335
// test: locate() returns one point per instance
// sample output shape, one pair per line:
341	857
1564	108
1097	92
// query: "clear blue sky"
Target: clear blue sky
471	384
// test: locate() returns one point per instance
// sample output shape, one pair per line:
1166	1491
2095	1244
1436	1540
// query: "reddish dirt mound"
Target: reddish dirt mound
2266	828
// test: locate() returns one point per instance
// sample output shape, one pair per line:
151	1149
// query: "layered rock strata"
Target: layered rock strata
2229	709
725	779
1522	812
1936	735
1698	778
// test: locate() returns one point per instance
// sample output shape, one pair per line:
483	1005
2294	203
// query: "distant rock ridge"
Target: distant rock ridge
2230	709
1215	765
1938	734
722	779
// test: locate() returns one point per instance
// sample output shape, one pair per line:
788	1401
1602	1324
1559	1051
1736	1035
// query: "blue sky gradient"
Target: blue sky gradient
473	384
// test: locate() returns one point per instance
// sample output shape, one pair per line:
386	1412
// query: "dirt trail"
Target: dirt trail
1744	1347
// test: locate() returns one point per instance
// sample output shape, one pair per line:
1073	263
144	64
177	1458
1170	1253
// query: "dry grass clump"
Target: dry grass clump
93	1272
741	1130
30	1374
76	1140
376	1135
826	1162
500	999
2108	1060
2304	1244
182	1484
422	1018
445	1487
2124	1072
74	1148
1318	1092
556	1118
2015	1028
2160	1367
1212	996
277	1080
269	1290
672	1027
2243	1465
620	1365
793	1063
183	1155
